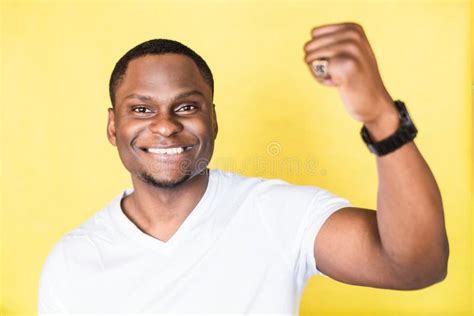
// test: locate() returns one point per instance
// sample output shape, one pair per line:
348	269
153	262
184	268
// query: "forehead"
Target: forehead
162	77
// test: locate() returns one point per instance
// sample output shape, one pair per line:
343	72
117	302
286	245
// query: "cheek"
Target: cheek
127	131
202	128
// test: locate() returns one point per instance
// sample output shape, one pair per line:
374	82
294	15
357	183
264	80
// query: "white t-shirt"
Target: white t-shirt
246	248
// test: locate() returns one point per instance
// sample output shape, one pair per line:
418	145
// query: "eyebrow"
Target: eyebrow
182	95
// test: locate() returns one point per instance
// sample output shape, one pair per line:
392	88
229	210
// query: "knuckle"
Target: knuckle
352	47
355	30
350	64
355	34
355	26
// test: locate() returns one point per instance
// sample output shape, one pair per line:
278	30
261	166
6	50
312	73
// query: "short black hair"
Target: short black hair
157	47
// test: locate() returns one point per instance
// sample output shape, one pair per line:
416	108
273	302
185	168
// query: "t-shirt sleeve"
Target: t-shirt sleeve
323	205
50	282
294	215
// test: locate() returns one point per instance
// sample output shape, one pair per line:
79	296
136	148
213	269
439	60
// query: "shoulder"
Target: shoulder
233	184
96	226
268	191
80	244
230	178
261	183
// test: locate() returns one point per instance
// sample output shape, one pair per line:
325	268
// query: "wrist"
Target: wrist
385	124
388	133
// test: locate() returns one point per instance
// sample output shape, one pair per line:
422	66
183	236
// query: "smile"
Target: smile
168	151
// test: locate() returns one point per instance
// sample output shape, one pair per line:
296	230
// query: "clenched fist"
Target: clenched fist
352	68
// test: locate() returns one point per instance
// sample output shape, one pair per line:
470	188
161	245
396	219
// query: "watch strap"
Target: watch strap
404	134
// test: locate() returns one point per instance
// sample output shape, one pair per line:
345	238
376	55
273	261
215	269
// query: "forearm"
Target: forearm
409	209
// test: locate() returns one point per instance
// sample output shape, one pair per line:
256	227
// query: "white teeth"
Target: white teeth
167	151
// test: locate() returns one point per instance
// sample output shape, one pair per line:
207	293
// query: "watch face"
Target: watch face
405	117
411	130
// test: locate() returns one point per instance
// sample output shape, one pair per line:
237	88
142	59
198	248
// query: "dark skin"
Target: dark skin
163	102
404	244
401	246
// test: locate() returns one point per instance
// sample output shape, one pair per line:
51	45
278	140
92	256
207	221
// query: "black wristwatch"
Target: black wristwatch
405	133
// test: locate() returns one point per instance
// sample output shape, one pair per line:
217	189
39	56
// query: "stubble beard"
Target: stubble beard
149	179
187	169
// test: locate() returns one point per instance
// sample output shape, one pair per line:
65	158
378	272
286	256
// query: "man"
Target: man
187	239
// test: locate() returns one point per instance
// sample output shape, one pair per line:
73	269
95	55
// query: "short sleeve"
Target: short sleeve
323	205
50	282
294	215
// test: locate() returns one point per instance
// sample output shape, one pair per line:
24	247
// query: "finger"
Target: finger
329	28
332	38
327	80
346	47
319	67
337	70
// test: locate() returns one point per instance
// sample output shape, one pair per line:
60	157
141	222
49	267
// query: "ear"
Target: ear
214	120
111	127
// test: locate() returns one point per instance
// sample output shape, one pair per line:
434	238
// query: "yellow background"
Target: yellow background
58	168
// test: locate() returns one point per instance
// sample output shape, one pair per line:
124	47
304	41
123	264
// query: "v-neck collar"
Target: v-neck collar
131	231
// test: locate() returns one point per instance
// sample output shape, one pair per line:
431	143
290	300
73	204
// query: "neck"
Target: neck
153	209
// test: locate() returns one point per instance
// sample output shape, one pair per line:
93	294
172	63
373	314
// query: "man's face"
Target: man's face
164	122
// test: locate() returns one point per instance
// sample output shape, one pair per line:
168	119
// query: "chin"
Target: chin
161	182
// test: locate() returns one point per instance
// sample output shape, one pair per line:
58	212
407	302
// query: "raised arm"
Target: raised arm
403	245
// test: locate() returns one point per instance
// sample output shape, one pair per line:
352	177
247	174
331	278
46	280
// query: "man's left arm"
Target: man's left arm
404	244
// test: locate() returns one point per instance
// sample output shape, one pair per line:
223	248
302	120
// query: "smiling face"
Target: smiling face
163	122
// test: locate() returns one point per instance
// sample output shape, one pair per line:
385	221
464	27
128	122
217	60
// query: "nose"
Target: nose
165	125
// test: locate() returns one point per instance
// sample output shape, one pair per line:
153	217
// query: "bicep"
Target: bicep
348	249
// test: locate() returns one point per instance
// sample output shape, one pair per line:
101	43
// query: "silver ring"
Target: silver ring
320	67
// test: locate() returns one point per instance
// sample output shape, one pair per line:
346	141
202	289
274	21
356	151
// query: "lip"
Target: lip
188	148
167	147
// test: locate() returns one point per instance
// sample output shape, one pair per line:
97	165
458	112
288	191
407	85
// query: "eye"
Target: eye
186	108
141	109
